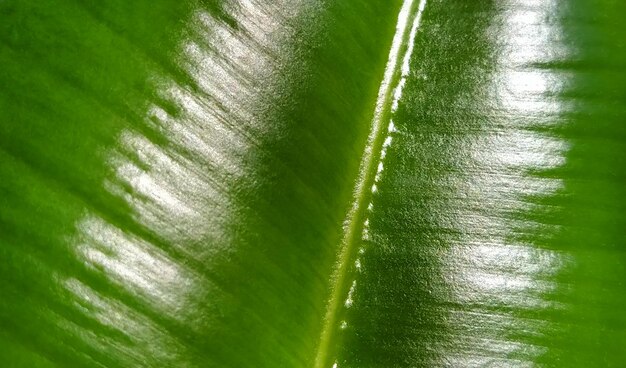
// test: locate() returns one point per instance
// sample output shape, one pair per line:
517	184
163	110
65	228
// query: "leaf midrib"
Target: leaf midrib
389	92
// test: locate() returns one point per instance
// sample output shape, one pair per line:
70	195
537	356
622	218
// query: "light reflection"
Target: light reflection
487	269
159	351
350	299
178	182
132	261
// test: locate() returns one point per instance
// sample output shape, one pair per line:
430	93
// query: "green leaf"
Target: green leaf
244	183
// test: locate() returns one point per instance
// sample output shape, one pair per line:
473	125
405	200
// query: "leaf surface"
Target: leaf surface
312	183
495	234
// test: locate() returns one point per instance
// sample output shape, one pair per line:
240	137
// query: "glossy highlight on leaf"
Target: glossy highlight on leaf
312	183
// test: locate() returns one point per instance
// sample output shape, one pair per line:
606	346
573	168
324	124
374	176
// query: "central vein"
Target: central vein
355	226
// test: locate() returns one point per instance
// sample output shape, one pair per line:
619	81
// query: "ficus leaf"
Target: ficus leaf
312	183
